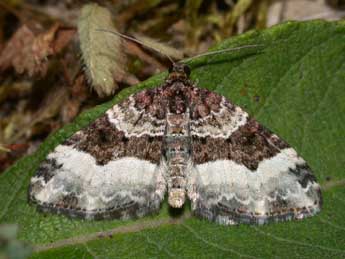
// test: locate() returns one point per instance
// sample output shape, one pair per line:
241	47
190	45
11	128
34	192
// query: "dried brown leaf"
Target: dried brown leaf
28	51
62	38
51	105
21	38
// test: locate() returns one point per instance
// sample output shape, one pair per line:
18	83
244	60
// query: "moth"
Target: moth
183	141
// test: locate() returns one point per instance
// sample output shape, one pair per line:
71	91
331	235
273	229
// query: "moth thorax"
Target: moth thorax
177	198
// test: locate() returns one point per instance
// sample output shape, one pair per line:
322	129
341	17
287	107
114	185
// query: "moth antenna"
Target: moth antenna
222	51
139	42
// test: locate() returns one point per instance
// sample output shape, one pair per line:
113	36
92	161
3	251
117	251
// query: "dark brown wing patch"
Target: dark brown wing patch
248	145
106	143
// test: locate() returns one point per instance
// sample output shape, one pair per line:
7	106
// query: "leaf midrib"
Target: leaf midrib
136	227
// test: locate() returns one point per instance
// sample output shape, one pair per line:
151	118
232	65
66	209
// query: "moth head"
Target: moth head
179	70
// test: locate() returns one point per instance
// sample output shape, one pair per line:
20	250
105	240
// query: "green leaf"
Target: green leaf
10	247
294	85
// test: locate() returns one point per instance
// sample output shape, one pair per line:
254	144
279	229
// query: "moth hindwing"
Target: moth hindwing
189	141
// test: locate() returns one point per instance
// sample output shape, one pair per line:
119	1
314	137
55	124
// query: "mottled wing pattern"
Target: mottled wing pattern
110	169
242	172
